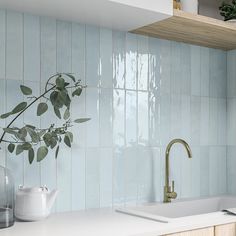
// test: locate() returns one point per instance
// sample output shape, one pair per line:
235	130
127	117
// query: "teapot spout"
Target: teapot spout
51	197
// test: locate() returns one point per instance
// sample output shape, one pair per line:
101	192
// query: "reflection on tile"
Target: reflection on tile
131	61
118	117
118	59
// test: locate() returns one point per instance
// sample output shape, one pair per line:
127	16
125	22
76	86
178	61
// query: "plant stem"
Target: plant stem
42	95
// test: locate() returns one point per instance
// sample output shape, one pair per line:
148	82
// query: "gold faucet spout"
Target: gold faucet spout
168	192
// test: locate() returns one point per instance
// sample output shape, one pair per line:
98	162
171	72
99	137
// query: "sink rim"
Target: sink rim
136	211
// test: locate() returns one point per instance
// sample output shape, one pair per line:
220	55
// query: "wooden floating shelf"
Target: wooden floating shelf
193	29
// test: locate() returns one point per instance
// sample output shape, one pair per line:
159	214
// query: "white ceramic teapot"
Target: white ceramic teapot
34	204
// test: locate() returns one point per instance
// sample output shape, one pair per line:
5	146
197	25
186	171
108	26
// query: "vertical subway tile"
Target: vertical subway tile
195	120
154	67
231	72
92	56
105	119
143	125
186	117
204	171
222	174
78	51
165	67
131	61
222	119
14	46
185	58
106	57
231	125
204	122
92	111
157	174
130	172
63	47
176	78
195	70
196	169
231	173
48	48
64	179
92	178
78	179
31	48
2	43
131	118
145	176
213	121
106	178
118	117
165	119
118	177
175	116
142	63
154	118
118	59
205	71
213	171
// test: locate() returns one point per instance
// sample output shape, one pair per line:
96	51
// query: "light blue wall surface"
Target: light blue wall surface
142	92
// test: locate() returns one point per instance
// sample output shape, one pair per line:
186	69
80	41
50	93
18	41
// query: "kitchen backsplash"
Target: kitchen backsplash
141	93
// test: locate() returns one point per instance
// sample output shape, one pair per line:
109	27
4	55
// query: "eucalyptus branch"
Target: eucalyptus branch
20	113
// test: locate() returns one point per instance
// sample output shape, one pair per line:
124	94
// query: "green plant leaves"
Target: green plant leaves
67	140
11	147
31	155
42	153
71	76
60	83
77	92
20	107
57	112
66	114
82	120
42	108
19	149
26	90
4	116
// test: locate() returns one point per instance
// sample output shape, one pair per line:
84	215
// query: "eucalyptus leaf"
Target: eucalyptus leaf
31	155
60	82
34	136
4	116
66	114
42	153
11	147
26	146
20	107
19	149
70	135
57	112
77	92
26	90
67	141
57	151
10	131
42	108
81	120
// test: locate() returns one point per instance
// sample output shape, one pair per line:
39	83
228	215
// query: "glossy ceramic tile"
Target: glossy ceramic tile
141	93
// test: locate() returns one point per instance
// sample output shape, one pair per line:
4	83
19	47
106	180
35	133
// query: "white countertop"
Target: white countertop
107	222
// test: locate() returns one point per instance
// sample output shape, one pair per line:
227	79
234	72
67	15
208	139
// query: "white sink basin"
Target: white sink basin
166	212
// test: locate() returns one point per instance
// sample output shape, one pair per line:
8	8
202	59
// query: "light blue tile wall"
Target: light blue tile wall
142	92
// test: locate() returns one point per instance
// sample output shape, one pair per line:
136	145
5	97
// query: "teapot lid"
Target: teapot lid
33	189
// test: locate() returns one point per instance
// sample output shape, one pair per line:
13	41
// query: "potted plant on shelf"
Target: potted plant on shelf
59	90
228	11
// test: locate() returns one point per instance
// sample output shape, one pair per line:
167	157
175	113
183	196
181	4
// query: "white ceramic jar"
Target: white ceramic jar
190	6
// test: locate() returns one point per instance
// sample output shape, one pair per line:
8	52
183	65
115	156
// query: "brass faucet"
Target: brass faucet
169	193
